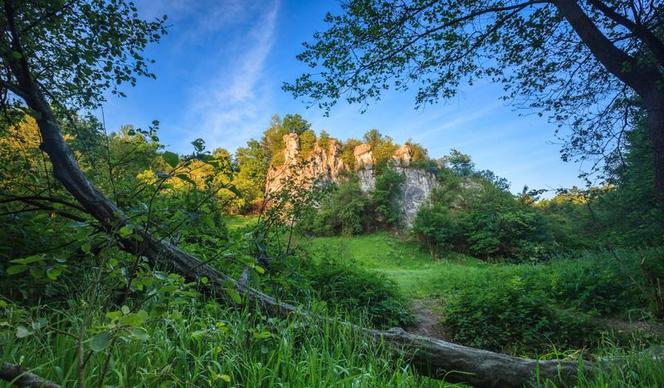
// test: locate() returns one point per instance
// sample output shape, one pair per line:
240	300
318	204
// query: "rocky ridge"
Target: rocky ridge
324	164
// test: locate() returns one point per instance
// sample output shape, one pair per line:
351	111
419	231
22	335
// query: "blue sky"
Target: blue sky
219	76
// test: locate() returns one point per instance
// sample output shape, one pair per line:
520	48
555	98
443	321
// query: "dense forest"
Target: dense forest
291	261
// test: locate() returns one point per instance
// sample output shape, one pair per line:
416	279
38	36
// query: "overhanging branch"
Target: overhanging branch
651	41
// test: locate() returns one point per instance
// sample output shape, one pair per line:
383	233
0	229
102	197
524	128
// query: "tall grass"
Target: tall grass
204	344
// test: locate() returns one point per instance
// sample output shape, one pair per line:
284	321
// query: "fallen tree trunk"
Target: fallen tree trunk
431	357
20	377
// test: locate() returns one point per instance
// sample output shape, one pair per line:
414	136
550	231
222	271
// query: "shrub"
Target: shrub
343	210
352	289
513	315
438	227
385	196
500	226
609	283
485	221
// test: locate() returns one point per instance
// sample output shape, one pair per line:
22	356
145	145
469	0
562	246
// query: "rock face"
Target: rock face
363	157
414	191
322	165
325	165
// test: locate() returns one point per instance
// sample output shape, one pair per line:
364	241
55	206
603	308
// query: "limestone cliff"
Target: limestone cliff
324	164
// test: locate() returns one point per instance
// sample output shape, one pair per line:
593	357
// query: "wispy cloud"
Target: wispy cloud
234	102
193	22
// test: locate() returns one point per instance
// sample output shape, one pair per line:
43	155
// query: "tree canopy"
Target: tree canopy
593	67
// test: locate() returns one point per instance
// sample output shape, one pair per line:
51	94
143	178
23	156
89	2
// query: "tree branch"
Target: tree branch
639	77
651	41
13	88
450	23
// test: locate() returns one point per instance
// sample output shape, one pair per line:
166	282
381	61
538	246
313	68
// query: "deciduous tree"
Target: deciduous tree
591	66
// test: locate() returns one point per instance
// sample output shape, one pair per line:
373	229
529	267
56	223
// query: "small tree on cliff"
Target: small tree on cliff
591	65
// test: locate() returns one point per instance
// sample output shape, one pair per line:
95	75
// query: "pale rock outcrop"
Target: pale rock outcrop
321	165
292	147
326	165
363	157
403	156
414	191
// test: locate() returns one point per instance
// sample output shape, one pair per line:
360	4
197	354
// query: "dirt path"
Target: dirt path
428	319
629	328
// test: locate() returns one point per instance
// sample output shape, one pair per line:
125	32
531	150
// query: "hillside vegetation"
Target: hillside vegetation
510	273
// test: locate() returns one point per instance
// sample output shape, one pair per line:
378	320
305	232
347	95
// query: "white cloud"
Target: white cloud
236	102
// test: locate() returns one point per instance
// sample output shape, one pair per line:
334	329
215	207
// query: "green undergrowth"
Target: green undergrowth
524	309
203	344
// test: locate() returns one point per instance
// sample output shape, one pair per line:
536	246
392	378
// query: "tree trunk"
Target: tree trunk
21	377
654	106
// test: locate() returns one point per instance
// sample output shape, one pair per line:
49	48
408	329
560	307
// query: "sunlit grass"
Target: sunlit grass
204	344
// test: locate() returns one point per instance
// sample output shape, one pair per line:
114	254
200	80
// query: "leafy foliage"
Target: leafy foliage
499	316
386	195
353	289
343	210
472	212
544	60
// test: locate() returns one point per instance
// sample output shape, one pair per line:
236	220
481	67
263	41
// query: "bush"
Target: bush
610	283
385	196
351	288
500	226
341	211
438	227
513	315
485	221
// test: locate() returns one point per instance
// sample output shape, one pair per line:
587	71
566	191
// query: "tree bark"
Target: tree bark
645	79
20	377
654	106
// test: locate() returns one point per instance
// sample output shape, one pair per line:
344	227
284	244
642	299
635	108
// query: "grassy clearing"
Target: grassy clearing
240	222
554	295
402	261
593	282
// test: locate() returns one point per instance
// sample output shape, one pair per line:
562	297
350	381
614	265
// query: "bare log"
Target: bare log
431	357
21	377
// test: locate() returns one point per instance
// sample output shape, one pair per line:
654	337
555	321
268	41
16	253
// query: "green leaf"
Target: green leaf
114	315
198	333
262	334
22	332
15	269
139	333
28	260
125	309
134	319
126	231
171	158
226	378
235	296
54	272
100	342
86	248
